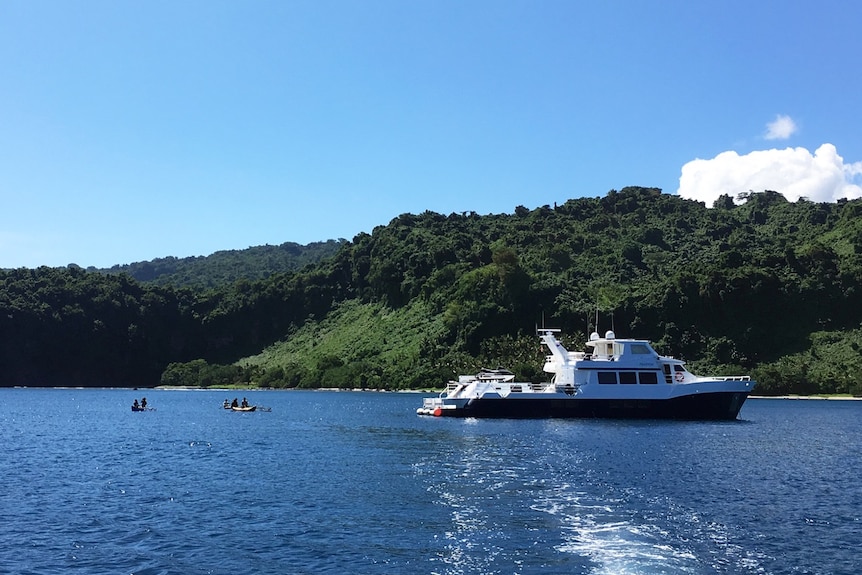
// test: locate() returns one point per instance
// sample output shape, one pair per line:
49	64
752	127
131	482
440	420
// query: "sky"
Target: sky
132	130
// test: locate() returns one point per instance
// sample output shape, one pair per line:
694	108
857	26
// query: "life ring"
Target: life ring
679	376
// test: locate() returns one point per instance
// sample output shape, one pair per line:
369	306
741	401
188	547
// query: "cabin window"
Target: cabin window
628	377
607	377
648	376
640	349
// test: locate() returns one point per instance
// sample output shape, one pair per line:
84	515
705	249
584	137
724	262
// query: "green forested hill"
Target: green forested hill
227	266
768	287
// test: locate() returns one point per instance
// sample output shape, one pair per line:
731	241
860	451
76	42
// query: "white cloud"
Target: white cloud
782	128
794	172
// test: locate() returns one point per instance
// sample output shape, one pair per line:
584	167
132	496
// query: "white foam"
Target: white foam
614	540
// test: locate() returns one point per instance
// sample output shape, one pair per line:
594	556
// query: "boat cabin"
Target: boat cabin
611	349
634	362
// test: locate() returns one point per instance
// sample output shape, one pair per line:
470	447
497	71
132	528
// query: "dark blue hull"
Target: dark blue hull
702	406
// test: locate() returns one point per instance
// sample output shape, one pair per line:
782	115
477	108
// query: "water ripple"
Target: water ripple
356	483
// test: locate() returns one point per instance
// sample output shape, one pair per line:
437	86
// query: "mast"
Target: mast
561	364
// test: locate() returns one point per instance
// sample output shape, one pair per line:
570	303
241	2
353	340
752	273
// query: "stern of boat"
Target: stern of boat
439	406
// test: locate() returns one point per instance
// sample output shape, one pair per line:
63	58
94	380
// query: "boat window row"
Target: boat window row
628	377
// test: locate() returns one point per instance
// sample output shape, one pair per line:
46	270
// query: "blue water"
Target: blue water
343	482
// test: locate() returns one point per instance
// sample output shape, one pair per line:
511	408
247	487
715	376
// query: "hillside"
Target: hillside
227	266
767	287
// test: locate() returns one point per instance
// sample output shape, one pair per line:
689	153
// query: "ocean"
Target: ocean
356	482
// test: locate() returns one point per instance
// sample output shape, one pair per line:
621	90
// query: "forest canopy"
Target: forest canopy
767	287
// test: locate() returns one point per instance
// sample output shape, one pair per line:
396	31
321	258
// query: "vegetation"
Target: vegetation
228	266
767	287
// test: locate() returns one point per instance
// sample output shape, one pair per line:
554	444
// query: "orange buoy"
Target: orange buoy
438	412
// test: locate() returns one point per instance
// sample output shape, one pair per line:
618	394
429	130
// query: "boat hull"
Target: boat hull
700	406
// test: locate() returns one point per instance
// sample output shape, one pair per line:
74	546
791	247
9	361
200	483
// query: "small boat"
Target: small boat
246	408
142	406
615	378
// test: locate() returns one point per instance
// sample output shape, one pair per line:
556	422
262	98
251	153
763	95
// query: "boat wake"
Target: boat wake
614	542
629	535
503	518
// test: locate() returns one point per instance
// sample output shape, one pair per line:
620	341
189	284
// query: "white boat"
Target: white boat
614	378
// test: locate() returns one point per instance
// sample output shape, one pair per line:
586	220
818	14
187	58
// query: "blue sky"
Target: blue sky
133	130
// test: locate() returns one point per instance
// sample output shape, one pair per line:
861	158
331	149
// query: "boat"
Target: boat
142	406
613	378
245	408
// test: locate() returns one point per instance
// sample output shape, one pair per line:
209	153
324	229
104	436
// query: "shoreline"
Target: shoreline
820	397
808	397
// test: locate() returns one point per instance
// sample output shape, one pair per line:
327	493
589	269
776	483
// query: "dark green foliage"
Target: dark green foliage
200	373
225	267
767	287
70	327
